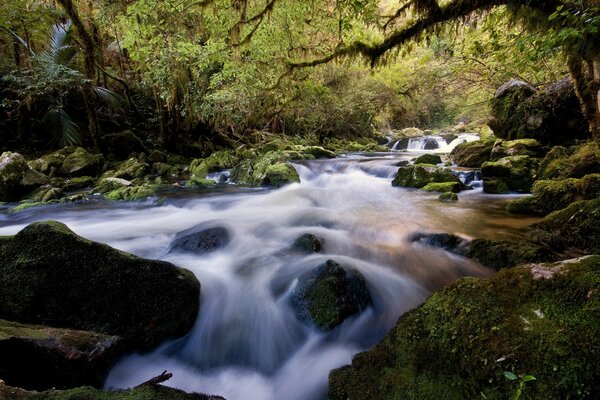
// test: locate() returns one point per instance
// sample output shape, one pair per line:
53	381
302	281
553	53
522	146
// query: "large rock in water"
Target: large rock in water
552	116
201	239
81	163
539	320
418	176
472	154
271	169
329	294
51	276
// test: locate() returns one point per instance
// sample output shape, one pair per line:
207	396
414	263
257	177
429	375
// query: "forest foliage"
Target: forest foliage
221	69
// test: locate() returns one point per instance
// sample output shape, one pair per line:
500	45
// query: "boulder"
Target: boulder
433	159
307	244
132	193
519	147
110	184
17	178
448	197
130	170
158	156
165	170
271	169
446	241
51	276
40	357
577	225
555	164
443	187
418	176
81	163
78	183
552	115
318	152
462	343
329	294
506	253
509	174
201	239
122	144
145	392
472	154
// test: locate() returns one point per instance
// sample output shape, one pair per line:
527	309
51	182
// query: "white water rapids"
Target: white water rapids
247	342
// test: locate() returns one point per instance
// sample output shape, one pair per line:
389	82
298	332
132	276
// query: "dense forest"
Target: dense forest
284	199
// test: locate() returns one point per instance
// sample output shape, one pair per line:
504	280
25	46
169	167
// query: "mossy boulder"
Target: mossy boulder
574	162
122	144
452	243
418	176
40	357
577	225
81	182
271	169
448	197
130	169
217	161
552	115
509	174
51	276
443	187
46	193
17	178
318	152
506	253
472	154
433	159
132	193
518	147
165	170
81	163
329	294
110	184
147	392
307	244
201	239
539	320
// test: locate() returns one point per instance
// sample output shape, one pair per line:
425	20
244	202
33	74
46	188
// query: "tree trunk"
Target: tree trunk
585	74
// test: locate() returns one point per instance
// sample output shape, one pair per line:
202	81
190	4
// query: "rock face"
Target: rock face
39	357
519	147
51	276
201	240
472	154
418	176
329	294
574	162
154	392
307	244
509	174
539	320
551	116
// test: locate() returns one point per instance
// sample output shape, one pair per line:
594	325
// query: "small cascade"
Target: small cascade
424	143
470	178
462	138
219	177
436	144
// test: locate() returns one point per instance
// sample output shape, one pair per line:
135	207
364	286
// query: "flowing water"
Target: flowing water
247	342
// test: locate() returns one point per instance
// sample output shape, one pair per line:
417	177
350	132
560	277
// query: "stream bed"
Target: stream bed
247	341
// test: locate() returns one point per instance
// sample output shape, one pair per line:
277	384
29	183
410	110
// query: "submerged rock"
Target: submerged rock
40	357
307	244
329	294
448	197
539	320
201	239
51	276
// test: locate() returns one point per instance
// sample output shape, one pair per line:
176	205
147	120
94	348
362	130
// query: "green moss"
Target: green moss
129	170
575	162
157	392
418	176
269	169
132	193
507	254
459	343
9	329
78	183
442	187
81	163
428	159
280	174
448	197
519	147
513	173
196	182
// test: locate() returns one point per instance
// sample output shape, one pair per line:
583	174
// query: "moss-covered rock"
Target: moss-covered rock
577	225
555	163
201	239
51	276
472	154
519	112
518	147
443	187
448	197
17	178
81	163
433	159
418	176
307	244
217	161
539	320
130	170
132	193
40	357
329	294
506	253
509	174
78	183
452	243
165	170
318	152
110	184
271	169
148	392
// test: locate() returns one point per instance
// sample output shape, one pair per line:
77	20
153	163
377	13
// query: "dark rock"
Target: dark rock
551	116
329	294
51	276
507	254
307	243
446	241
428	159
157	156
17	178
201	239
122	144
78	183
40	357
539	320
82	163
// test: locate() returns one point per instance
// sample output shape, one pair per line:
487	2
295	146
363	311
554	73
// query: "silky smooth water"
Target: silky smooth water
247	342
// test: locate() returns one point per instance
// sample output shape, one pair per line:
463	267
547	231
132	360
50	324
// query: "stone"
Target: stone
472	154
51	276
201	239
509	174
428	159
307	244
418	176
506	253
328	294
448	197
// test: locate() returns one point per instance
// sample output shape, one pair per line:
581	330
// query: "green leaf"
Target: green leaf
528	378
510	376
